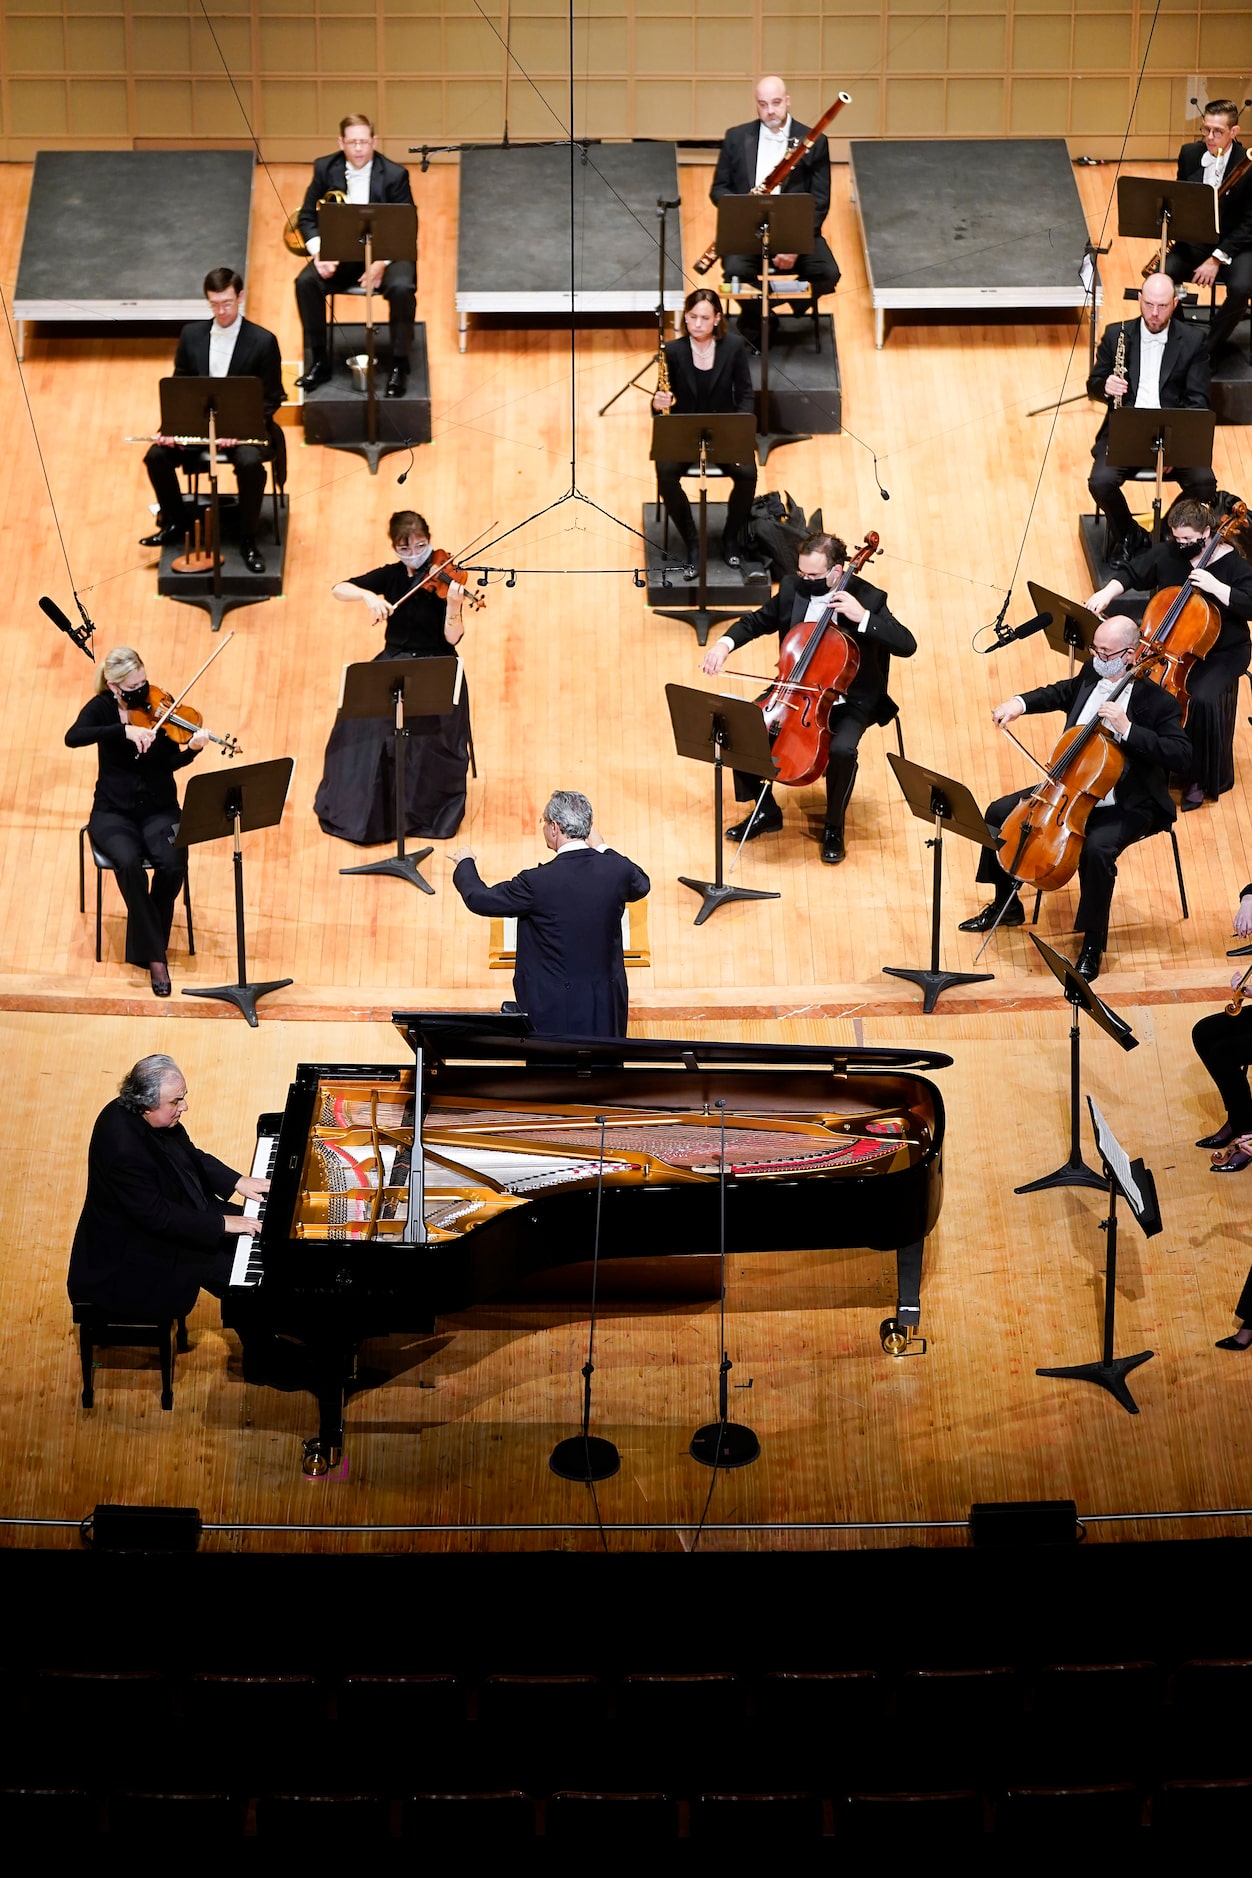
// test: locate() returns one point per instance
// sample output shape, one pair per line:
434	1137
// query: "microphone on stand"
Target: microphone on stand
1005	635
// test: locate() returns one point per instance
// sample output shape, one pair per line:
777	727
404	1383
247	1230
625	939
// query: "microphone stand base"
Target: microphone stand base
713	895
1072	1173
243	997
934	984
724	1444
1110	1376
585	1458
401	866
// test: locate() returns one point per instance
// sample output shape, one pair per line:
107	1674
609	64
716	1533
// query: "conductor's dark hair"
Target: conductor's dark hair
1222	107
836	551
707	295
571	812
407	522
218	279
1186	512
355	117
140	1090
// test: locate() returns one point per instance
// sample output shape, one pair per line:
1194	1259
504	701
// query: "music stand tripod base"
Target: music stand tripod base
699	618
933	984
724	1444
1110	1376
401	866
243	997
715	893
218	605
585	1458
372	452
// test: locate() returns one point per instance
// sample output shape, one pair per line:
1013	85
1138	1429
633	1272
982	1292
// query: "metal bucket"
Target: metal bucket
359	368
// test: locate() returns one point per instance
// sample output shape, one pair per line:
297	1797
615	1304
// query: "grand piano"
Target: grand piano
470	1175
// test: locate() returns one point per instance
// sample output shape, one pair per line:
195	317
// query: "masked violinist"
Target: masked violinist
860	609
1147	723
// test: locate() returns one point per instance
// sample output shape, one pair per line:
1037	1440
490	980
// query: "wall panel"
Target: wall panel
106	71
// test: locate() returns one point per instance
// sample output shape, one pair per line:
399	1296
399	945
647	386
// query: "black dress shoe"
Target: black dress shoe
691	560
319	373
1222	1138
164	537
1014	915
1192	798
762	822
397	380
252	557
1232	1161
1087	964
732	553
158	972
1231	1343
833	850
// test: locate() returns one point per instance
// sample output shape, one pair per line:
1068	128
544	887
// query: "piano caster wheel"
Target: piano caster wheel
897	1339
317	1459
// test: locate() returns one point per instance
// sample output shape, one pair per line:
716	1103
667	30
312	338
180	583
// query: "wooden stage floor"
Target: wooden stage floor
567	676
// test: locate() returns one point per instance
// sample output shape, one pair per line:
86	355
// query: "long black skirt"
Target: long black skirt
1211	717
356	798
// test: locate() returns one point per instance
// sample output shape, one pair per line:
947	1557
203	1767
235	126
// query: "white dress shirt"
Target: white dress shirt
1212	170
222	343
771	148
1151	353
357	189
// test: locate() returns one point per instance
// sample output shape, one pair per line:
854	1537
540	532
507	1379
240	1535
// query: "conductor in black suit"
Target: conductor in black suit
570	976
1213	159
748	153
360	171
1166	368
708	371
1147	723
225	346
155	1226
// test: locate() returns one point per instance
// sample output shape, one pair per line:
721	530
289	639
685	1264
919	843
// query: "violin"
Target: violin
1183	623
180	725
817	663
1042	836
1243	991
439	577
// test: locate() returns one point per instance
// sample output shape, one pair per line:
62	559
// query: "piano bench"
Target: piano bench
98	1328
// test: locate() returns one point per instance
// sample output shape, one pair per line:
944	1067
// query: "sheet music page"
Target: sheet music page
1113	1152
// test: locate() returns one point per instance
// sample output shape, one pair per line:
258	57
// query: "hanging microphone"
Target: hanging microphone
884	493
1005	635
81	635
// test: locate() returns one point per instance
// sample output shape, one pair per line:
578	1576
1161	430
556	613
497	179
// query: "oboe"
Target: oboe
1119	363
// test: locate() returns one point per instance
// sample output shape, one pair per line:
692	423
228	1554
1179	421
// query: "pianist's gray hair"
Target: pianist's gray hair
141	1089
571	812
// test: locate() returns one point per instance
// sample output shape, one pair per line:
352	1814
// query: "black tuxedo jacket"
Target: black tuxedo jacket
736	169
727	387
142	1242
1234	210
882	636
389	182
1156	742
1184	369
255	356
570	976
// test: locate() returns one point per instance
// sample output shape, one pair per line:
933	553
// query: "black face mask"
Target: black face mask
811	588
133	699
1189	549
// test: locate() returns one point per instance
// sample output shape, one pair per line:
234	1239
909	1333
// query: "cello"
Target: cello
1182	624
1041	838
817	662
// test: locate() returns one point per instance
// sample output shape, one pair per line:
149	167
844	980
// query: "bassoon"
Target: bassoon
800	147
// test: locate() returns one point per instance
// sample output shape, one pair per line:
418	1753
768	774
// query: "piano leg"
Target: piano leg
896	1332
333	1371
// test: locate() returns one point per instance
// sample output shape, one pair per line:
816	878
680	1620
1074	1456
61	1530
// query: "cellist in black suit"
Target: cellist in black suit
225	346
1213	159
748	153
1166	368
708	371
360	171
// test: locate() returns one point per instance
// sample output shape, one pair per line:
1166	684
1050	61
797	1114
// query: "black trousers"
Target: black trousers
819	268
1211	714
127	840
1244	1307
399	290
1110	831
1224	1046
248	460
1106	479
1181	263
678	508
847	729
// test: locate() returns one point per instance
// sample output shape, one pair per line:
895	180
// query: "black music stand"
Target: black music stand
405	688
937	798
345	228
723	1443
711	729
1074	1172
711	437
233	802
1150	209
766	225
1071	629
1135	1184
210	408
1146	438
586	1457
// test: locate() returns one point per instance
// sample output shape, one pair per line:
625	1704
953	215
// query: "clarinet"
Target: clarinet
1119	363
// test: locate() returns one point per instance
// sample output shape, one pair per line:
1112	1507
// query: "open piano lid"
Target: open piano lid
497	1036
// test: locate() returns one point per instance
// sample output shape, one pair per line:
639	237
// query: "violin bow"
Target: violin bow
173	706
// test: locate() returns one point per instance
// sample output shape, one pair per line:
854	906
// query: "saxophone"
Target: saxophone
662	380
1119	363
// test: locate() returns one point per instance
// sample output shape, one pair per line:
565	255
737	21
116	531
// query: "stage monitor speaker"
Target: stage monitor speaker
1024	1522
143	1529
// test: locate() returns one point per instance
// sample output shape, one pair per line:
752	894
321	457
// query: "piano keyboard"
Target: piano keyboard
248	1266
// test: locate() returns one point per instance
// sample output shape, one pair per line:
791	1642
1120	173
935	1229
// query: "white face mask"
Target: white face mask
413	557
1109	668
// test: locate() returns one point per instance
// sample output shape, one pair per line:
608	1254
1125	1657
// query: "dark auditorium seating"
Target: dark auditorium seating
874	1820
448	1820
1217	1812
1070	1816
613	1818
757	1818
340	1820
169	1819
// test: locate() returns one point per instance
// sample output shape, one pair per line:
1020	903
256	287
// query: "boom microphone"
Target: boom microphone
81	635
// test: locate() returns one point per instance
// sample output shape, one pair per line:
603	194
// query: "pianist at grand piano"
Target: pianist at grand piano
158	1222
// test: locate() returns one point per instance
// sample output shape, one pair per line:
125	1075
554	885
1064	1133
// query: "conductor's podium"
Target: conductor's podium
502	939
